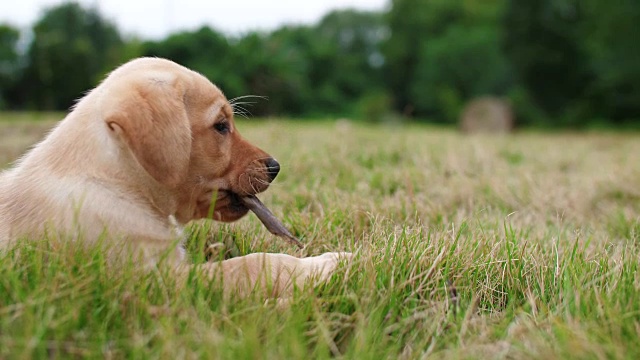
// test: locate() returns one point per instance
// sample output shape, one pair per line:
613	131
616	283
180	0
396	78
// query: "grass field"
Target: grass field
523	246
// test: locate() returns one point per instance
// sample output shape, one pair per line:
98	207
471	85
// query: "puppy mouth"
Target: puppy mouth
228	206
229	199
225	204
237	206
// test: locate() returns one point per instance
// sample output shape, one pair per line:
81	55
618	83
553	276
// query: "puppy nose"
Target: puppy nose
273	168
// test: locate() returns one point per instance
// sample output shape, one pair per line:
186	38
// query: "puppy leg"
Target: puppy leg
274	275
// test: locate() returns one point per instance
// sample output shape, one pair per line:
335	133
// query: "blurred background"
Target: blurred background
544	63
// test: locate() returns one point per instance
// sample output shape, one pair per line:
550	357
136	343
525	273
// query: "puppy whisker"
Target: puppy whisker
239	110
236	99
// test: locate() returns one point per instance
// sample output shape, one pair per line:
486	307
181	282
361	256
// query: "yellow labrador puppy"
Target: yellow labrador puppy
144	152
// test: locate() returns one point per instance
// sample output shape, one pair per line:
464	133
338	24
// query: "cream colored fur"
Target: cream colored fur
137	158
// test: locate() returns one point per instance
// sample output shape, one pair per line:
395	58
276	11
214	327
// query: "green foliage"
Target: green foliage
299	70
458	66
9	61
350	59
544	48
577	59
565	63
71	50
444	53
611	35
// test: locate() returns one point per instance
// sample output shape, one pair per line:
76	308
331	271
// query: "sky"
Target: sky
154	19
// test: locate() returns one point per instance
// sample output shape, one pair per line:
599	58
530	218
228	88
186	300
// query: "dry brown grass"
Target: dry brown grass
19	131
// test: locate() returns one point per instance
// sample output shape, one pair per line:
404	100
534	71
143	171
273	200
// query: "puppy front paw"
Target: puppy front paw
323	266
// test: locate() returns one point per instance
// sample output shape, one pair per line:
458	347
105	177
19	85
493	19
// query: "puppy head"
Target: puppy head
180	129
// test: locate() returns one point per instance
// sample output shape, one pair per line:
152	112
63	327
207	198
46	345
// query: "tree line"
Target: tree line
559	62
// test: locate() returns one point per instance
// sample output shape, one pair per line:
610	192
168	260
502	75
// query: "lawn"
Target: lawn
521	246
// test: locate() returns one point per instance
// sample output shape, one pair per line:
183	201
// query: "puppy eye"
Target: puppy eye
222	127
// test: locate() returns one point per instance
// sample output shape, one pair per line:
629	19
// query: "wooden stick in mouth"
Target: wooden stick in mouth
268	219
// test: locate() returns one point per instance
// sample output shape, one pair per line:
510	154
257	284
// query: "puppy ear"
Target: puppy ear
153	123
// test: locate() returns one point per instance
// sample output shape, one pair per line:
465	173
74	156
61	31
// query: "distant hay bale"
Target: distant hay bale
487	115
